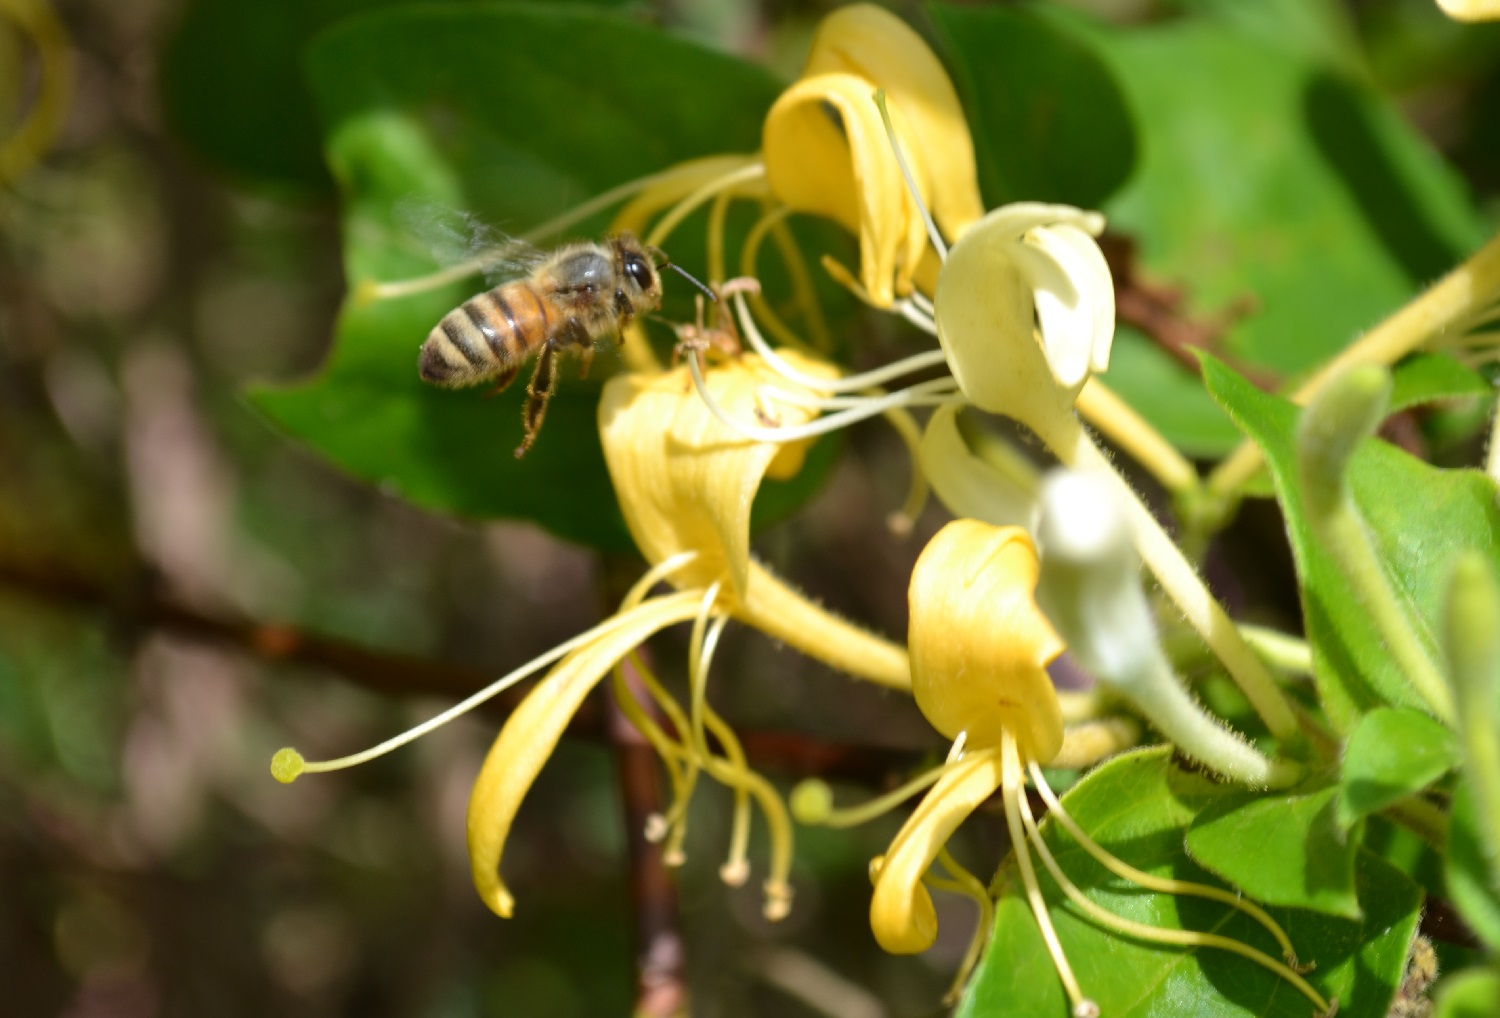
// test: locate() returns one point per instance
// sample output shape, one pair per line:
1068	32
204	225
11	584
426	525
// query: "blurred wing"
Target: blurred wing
455	237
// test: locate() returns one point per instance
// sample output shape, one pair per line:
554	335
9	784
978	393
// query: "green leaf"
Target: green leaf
1473	993
1419	517
1280	849
1287	185
1431	377
233	87
1392	754
1472	880
1139	806
1180	408
419	102
1049	120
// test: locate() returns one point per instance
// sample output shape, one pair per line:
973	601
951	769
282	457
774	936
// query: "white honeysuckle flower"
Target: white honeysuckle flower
1025	310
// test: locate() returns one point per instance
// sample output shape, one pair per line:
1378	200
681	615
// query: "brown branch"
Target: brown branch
661	958
1156	309
140	606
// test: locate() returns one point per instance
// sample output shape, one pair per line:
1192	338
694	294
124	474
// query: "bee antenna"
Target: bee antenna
663	262
692	279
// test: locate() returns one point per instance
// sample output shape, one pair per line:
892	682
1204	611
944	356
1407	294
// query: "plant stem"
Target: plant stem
1186	588
1443	307
1342	533
1117	421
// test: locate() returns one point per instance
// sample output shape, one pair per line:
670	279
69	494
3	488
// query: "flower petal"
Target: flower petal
531	733
686	483
973	486
979	644
1020	264
874	44
842	167
901	912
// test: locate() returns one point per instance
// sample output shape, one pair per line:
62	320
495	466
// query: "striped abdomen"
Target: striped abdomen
488	336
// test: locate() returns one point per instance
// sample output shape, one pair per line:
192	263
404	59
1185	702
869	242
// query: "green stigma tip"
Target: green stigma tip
286	765
812	802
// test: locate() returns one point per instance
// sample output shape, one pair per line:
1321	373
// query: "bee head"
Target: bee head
639	271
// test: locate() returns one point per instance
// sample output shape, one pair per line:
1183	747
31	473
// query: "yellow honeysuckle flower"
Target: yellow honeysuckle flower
979	646
847	171
685	484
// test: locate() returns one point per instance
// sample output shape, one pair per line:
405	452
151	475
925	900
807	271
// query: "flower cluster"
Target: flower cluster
1021	303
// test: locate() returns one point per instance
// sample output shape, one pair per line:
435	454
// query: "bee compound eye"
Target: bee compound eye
639	273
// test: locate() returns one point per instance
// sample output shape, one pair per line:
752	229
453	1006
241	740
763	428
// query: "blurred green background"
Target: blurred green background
181	242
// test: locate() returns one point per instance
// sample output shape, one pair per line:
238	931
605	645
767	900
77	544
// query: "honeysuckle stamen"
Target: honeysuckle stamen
737	776
288	765
936	238
821	426
1157	934
812	801
1011	784
533	730
1164	885
906	307
934	392
917	488
717	211
677	213
773	221
847	383
671	752
960	881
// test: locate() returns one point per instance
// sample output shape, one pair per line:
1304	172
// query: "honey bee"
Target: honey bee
572	299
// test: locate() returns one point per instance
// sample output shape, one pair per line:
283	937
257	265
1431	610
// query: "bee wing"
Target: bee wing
455	237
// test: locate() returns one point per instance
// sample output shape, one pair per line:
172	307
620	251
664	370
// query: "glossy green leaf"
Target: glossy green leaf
1432	377
1180	408
1473	879
1287	187
1392	754
417	103
1280	849
1419	517
1473	993
1049	120
1139	806
233	86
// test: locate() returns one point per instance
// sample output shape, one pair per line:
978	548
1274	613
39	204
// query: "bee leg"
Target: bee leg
502	381
588	360
538	392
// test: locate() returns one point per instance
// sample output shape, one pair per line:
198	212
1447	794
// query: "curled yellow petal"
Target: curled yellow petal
876	45
843	167
901	912
999	488
679	182
686	482
531	733
979	645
